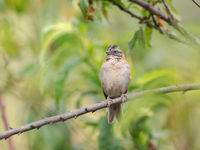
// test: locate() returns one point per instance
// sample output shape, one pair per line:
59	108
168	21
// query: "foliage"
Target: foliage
107	139
50	56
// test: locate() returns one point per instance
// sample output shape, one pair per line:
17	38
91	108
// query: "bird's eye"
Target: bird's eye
115	51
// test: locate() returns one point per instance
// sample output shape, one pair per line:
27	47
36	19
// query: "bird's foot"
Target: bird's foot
109	101
123	97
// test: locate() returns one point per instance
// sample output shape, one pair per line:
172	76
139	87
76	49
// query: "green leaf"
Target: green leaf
140	133
105	13
107	140
173	10
148	35
85	93
83	7
134	6
62	75
141	107
157	74
141	38
138	39
120	3
28	70
92	78
90	122
132	42
145	13
50	34
188	35
98	11
169	2
172	35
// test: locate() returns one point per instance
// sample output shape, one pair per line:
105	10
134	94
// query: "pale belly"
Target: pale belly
115	78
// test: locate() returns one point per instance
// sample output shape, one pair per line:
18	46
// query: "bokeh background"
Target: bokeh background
50	58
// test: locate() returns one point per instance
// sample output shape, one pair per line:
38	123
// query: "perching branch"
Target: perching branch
5	122
93	108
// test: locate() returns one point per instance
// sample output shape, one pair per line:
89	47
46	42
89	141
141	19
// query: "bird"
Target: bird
115	78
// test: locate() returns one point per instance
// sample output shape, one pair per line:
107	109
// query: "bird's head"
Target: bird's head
114	51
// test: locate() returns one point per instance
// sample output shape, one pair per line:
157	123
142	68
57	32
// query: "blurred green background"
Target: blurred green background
50	58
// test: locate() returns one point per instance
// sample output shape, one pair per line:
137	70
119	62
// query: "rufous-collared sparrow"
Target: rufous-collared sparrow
115	77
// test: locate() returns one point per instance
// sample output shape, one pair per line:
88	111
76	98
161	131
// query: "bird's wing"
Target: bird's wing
105	95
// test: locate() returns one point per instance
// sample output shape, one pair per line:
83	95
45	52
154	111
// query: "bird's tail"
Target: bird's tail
114	111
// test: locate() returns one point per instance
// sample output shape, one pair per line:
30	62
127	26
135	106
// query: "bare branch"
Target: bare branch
196	3
93	108
171	20
5	122
167	9
153	10
125	10
141	20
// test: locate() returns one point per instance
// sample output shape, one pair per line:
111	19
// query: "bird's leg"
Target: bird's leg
123	97
109	100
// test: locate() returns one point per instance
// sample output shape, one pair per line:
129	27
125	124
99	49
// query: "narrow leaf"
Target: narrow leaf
148	36
83	7
106	139
141	38
132	43
62	75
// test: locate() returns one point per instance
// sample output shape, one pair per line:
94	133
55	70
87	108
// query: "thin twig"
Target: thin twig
196	3
5	122
141	20
167	8
153	10
93	108
157	12
169	11
125	10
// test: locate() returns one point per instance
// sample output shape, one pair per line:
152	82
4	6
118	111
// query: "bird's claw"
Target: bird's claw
123	97
109	101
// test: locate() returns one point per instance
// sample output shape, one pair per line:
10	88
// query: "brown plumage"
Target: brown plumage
115	77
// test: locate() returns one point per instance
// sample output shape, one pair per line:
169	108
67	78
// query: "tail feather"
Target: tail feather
114	111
